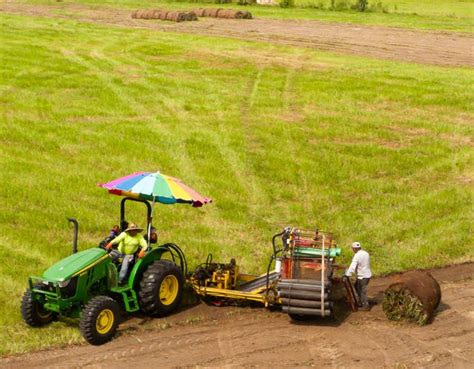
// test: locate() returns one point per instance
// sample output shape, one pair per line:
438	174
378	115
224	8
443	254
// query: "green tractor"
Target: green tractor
84	285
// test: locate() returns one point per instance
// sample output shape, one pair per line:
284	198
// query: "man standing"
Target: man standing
360	265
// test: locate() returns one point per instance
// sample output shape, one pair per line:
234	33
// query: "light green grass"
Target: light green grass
448	15
375	151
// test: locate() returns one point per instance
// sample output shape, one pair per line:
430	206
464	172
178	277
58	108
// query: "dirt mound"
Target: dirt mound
413	296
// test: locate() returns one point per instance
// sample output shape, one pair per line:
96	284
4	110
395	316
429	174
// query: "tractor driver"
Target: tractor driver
128	243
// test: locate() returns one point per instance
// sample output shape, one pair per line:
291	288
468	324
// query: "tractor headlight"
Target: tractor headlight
68	287
64	284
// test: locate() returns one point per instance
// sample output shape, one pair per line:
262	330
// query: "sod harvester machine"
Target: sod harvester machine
300	282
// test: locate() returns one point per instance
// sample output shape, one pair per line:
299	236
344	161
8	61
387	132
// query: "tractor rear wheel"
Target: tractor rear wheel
34	314
161	288
99	320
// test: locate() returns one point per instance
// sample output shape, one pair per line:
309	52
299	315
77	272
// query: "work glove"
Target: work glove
108	246
141	254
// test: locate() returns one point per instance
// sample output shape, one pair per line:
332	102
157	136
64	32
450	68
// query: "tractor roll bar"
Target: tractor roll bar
122	209
76	232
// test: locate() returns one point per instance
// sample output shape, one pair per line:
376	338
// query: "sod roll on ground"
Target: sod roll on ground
413	297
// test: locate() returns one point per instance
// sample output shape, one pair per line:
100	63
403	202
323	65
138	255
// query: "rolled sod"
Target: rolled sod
413	297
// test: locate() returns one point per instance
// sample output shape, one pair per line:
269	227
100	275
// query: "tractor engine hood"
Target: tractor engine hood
75	264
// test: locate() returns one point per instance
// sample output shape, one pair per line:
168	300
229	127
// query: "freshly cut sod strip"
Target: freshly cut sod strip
378	152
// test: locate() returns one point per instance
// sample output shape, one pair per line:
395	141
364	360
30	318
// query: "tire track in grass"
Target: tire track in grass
128	100
222	141
106	79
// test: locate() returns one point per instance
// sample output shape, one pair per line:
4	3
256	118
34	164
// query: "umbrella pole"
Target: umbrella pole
150	224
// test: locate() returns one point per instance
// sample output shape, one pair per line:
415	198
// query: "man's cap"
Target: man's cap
356	245
133	227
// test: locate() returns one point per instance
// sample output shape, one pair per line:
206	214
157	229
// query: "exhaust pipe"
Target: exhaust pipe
76	231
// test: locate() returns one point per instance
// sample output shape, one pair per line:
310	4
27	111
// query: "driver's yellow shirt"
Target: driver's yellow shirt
127	244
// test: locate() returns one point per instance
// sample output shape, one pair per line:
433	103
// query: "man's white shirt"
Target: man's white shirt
361	265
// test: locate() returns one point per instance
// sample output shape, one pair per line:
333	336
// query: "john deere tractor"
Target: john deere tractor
84	285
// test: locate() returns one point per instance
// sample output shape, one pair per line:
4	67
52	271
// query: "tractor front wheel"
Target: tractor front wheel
34	314
99	320
161	288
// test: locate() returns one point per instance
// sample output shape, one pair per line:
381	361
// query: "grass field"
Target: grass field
376	151
449	15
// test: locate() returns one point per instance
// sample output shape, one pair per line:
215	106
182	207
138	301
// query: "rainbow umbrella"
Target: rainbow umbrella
155	187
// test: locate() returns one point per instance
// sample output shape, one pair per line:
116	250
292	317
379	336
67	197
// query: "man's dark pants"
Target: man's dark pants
361	288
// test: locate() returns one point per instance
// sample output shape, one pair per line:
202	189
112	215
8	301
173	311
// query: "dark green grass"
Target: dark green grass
374	151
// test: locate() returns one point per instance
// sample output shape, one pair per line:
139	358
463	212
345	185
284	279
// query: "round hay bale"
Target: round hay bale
231	14
148	14
246	15
199	12
414	296
190	16
208	11
218	15
176	16
239	14
171	16
163	14
223	13
156	14
213	12
139	14
182	16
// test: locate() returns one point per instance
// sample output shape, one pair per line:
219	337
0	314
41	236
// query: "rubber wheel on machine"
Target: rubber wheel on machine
161	288
33	313
99	320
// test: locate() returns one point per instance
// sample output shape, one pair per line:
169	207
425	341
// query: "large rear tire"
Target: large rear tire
161	288
99	320
33	313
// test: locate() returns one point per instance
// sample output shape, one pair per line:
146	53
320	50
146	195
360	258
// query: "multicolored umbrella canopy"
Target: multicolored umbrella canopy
155	187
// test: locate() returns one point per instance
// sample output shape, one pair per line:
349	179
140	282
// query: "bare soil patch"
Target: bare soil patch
209	336
436	48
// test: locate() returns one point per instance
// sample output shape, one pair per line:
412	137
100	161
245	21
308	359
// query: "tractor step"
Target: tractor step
129	298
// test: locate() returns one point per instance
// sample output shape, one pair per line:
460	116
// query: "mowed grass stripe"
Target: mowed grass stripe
375	151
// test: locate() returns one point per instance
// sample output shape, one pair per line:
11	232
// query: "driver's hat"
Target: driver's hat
356	245
133	227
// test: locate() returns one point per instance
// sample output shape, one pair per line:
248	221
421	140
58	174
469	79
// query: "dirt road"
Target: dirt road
437	48
208	336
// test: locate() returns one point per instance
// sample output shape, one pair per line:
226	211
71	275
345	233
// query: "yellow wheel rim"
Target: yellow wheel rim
169	290
105	321
42	313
